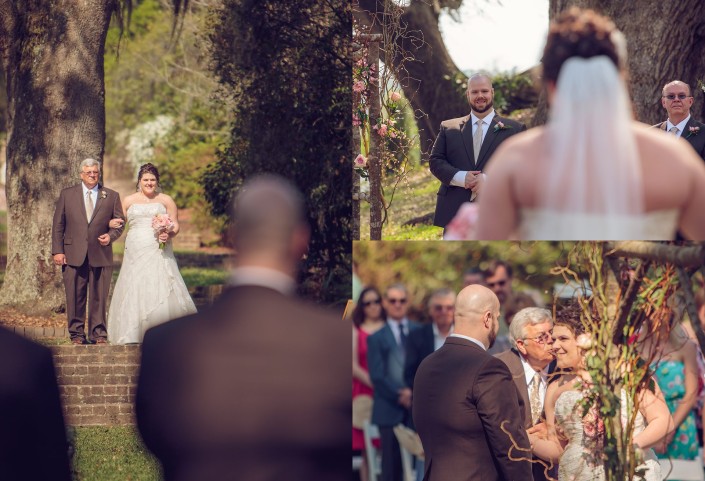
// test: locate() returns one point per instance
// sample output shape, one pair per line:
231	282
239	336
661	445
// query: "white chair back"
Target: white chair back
682	469
374	457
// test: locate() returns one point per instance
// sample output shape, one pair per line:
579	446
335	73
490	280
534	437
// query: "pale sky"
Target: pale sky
500	37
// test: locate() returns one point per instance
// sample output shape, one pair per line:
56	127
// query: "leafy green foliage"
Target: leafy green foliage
288	67
513	91
157	76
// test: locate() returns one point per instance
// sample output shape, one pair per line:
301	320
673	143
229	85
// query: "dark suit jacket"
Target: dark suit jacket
385	363
513	361
696	140
77	238
33	442
453	152
419	344
463	397
255	387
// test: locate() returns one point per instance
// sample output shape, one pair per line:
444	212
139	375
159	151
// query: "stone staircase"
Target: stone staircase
97	383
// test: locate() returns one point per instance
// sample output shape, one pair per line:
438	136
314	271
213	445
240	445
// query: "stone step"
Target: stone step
97	383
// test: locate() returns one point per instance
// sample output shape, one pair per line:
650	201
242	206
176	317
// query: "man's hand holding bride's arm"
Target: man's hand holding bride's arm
116	223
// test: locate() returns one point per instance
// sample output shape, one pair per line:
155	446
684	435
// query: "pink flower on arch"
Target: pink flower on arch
360	161
395	97
382	130
359	86
356	120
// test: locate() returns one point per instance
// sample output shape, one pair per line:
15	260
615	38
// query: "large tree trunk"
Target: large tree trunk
52	54
665	41
431	81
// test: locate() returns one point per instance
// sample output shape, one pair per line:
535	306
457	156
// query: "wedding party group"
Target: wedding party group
208	400
149	290
591	173
517	412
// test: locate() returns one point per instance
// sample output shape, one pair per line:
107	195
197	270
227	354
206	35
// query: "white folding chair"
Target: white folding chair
682	469
374	457
407	464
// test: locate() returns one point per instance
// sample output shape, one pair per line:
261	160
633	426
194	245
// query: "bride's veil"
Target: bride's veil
593	165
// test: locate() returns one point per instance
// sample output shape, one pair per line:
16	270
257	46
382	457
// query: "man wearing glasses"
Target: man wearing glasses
531	362
386	354
676	99
81	244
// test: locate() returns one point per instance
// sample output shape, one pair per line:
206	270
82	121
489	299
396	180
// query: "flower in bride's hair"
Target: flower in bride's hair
584	341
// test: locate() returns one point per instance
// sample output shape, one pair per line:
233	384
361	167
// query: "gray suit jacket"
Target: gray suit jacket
453	152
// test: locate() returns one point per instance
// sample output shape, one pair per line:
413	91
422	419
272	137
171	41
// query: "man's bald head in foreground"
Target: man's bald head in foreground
477	314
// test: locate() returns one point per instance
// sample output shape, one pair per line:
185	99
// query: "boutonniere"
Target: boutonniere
500	126
103	194
693	131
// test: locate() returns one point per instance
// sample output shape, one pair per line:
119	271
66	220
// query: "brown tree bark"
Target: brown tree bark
665	41
52	54
428	75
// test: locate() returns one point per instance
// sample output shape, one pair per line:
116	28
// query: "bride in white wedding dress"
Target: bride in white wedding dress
592	172
149	289
574	440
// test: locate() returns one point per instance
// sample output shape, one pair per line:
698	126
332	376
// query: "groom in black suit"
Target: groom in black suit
676	99
461	153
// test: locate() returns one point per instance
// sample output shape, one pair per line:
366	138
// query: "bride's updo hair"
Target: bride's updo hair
581	33
147	168
568	315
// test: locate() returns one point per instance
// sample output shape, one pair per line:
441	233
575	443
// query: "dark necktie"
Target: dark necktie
402	335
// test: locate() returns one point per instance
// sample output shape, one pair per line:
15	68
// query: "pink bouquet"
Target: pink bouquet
162	223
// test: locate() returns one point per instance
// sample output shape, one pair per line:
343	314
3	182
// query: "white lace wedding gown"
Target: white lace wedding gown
580	460
149	289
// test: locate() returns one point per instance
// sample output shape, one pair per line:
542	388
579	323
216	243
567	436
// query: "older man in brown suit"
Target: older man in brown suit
466	407
81	244
257	387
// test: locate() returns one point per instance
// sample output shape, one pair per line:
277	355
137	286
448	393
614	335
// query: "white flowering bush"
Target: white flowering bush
140	141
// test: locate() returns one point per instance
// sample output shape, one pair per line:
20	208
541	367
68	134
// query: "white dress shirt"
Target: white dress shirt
680	125
529	373
459	178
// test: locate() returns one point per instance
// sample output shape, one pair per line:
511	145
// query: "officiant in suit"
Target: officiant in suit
257	387
464	146
531	362
466	408
81	244
676	99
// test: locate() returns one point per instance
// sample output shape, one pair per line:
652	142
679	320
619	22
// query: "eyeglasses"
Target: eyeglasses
443	308
498	283
397	301
544	338
673	96
369	303
91	173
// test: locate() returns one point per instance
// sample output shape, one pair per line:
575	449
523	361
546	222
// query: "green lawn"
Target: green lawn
112	453
414	197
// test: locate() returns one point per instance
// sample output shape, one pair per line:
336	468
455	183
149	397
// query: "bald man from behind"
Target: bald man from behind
466	407
256	387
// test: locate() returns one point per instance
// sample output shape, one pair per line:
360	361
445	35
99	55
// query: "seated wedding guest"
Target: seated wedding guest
467	409
453	162
141	301
573	439
673	358
564	182
257	386
531	362
33	443
368	317
386	353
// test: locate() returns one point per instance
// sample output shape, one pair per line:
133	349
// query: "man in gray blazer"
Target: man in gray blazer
81	244
463	148
531	362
